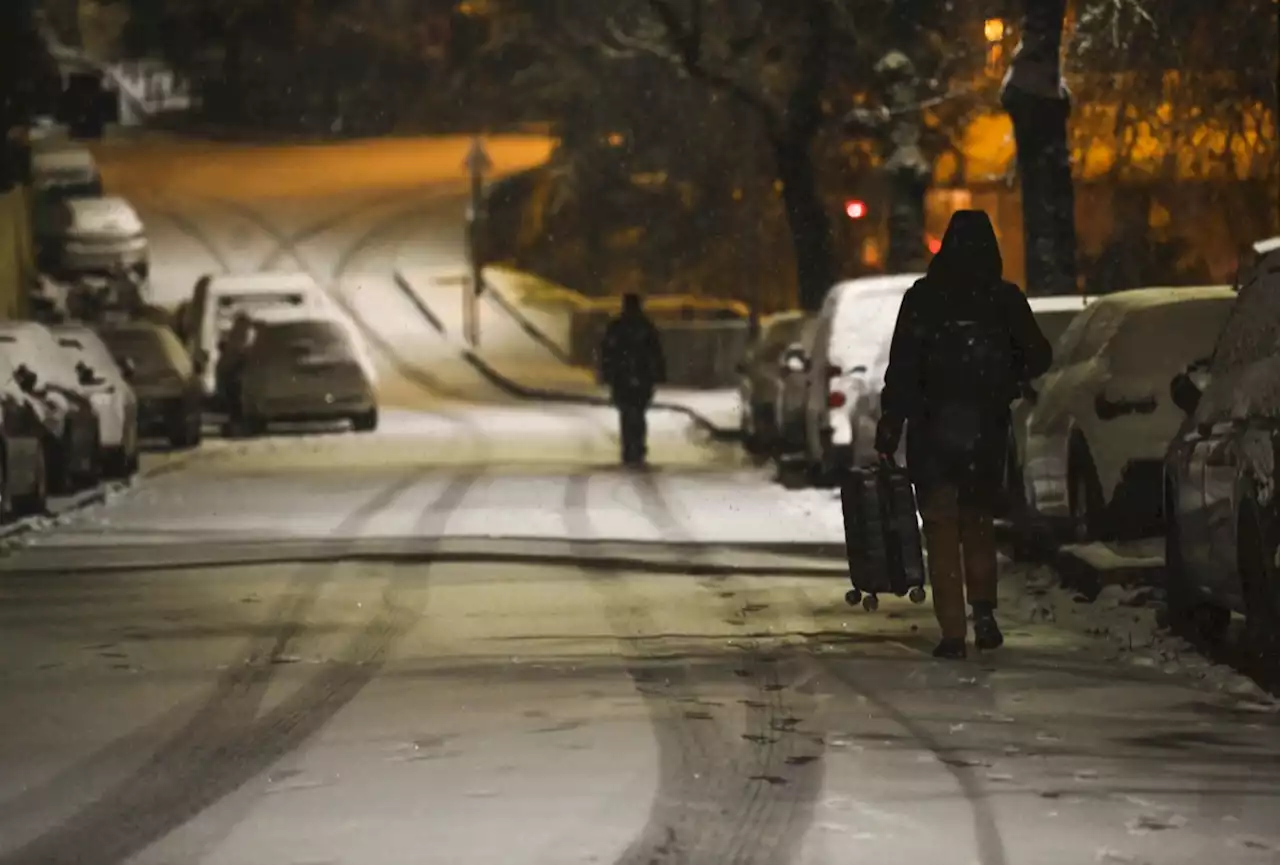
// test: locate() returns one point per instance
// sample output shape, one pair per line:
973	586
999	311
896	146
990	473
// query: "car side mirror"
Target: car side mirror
793	360
1184	393
128	368
85	374
25	378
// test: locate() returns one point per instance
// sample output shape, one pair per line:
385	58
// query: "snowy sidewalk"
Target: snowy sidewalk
518	350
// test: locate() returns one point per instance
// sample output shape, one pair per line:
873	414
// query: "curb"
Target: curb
521	391
1075	567
663	559
63	508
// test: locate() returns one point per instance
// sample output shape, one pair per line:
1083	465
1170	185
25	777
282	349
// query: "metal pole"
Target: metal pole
472	311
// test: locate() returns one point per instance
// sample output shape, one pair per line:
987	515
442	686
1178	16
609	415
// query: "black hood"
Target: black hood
970	253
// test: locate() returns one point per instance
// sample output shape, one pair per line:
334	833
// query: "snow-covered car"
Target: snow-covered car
1222	527
301	370
1102	419
846	371
761	377
107	387
70	426
63	169
90	235
168	391
1053	316
24	479
218	299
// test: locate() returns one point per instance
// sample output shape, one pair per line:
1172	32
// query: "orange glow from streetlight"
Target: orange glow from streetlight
994	29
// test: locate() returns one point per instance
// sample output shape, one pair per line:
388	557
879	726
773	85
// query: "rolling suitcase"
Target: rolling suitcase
881	536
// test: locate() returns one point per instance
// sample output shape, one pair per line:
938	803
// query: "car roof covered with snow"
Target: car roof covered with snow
35	345
273	315
108	213
1150	330
285	282
1060	303
59	158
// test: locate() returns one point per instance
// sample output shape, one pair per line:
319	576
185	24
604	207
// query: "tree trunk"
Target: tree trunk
908	171
1039	105
806	219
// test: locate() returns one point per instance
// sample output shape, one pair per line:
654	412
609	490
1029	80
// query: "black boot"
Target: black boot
986	632
951	649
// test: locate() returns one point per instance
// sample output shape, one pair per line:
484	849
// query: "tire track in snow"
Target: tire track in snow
721	797
227	744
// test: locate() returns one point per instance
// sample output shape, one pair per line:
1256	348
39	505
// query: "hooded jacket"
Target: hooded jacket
963	282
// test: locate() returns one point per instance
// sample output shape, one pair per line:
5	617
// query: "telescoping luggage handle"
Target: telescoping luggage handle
885	471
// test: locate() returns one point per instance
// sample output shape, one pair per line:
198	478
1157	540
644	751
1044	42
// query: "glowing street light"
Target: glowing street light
855	209
994	29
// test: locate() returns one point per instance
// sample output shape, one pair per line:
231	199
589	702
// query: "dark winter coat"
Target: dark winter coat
963	285
631	359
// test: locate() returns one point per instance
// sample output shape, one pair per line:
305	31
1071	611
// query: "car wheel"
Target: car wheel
61	480
1256	546
367	422
1084	499
184	432
6	491
1188	614
36	501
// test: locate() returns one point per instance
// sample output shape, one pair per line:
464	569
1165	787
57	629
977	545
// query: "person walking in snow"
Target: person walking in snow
632	365
965	346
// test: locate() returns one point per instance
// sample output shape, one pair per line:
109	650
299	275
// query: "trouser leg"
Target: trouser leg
941	516
978	540
631	422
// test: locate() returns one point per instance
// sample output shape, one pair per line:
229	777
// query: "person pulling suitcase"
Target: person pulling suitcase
964	347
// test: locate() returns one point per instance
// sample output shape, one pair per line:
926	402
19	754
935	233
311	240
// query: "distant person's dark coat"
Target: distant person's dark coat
631	359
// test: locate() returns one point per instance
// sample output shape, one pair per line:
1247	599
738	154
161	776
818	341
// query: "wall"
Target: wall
17	259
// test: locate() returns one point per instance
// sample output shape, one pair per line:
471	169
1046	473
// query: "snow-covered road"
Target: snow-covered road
468	638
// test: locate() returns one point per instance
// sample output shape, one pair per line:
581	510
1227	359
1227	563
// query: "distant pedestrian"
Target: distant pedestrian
632	366
965	347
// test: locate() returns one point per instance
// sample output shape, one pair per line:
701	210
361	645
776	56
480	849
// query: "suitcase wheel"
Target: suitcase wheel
853	597
870	603
916	595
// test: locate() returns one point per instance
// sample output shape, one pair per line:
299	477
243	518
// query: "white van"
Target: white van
845	372
218	299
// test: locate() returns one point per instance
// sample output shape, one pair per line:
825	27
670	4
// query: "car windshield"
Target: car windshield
304	341
1054	323
154	353
1141	343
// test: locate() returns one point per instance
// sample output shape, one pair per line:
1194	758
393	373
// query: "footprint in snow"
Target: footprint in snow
1145	824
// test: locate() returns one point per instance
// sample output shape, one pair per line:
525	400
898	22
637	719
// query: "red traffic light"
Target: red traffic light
855	209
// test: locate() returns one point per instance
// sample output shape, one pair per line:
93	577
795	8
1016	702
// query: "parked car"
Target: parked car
1053	315
845	372
301	370
90	235
113	400
790	410
761	377
216	301
60	168
170	397
24	479
1097	433
70	426
1222	527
